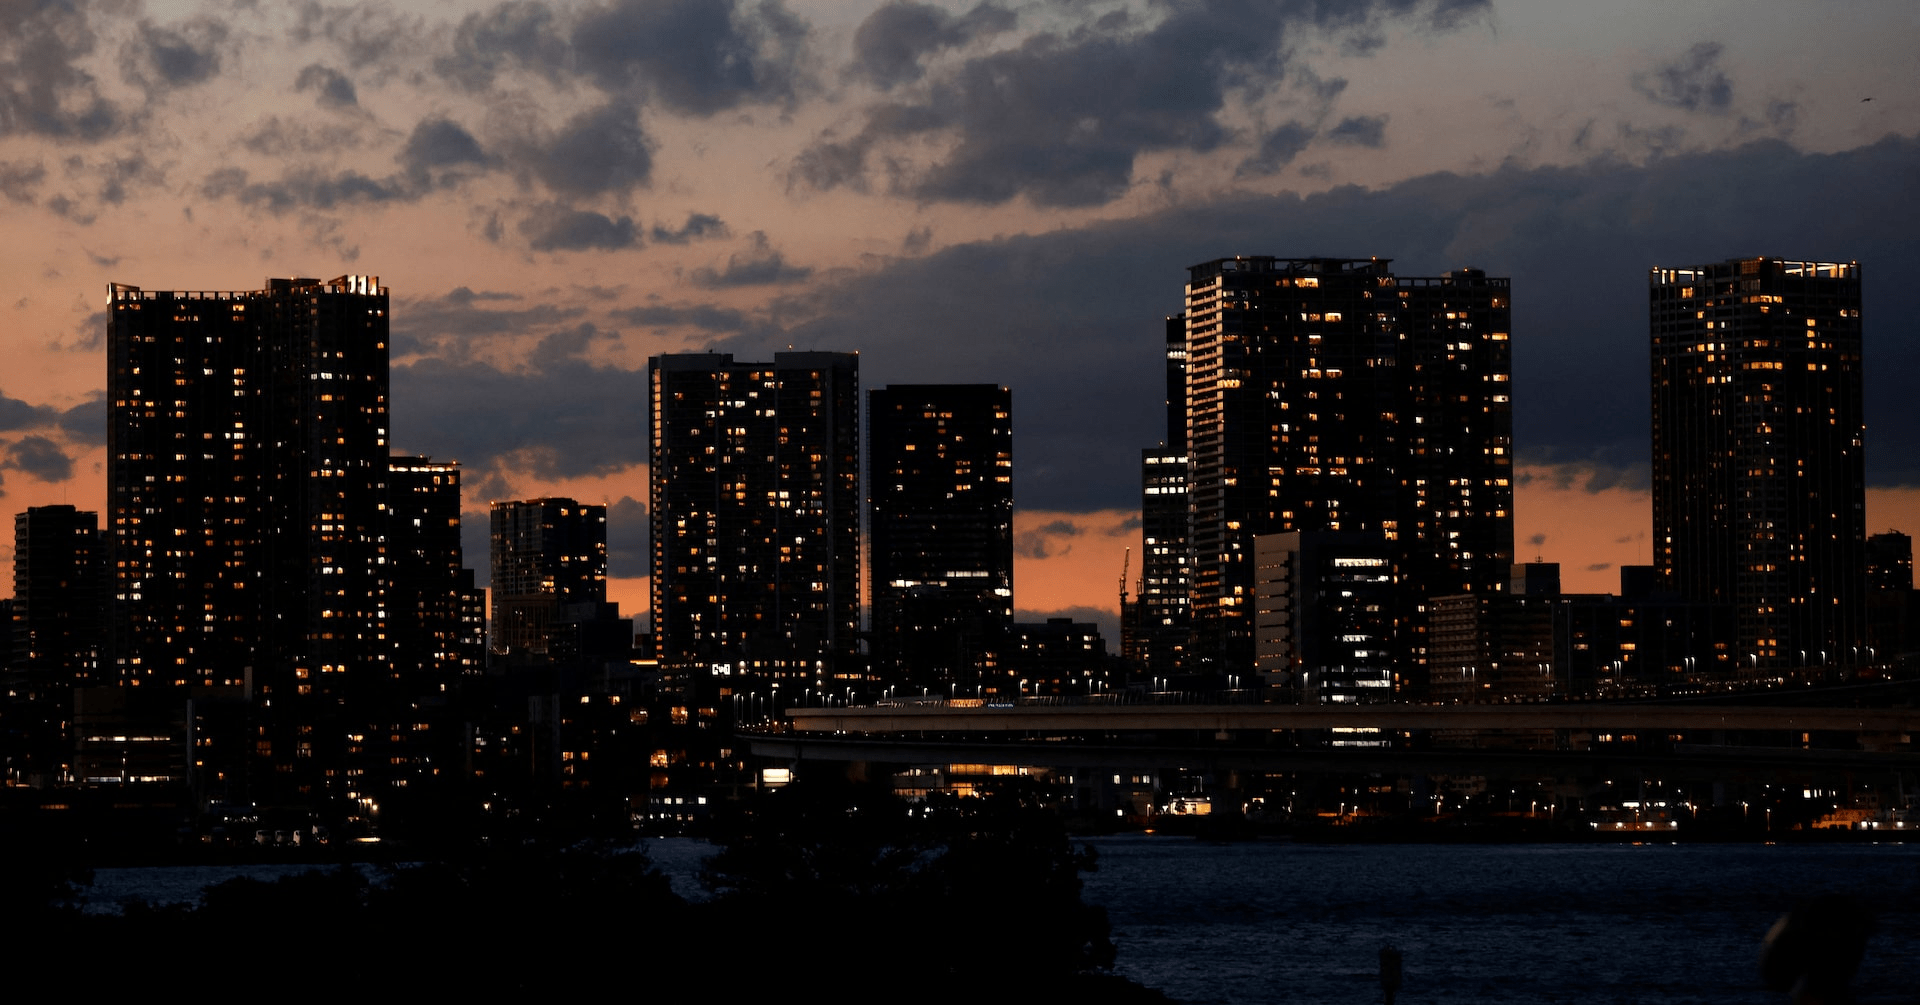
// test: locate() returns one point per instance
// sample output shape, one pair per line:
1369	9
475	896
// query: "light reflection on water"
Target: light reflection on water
1656	924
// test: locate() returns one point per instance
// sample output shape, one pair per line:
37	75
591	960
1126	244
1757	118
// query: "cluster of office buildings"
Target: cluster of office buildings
274	603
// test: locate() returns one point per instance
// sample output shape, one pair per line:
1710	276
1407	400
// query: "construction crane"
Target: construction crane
1126	561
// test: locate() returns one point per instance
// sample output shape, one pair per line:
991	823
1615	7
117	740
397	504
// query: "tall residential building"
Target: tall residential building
1331	395
940	527
547	554
755	489
1759	489
1157	638
432	602
246	484
58	616
60	598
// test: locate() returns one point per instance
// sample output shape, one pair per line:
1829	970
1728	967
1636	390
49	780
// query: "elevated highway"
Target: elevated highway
1680	740
1588	716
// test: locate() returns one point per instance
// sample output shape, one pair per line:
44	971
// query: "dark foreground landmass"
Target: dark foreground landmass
838	893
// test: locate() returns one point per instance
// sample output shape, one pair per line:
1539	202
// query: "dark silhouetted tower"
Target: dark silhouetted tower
432	602
1759	488
940	529
547	554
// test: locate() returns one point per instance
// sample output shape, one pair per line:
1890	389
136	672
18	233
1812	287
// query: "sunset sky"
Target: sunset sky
993	192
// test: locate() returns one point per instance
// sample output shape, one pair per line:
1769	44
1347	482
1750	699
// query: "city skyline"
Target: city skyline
552	201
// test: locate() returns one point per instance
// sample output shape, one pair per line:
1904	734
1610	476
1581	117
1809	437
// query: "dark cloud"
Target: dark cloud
119	175
558	228
1783	117
43	90
699	227
1537	540
367	34
1044	541
463	296
162	58
1360	131
628	531
1125	527
283	137
707	317
519	33
1070	320
599	150
889	45
566	418
695	57
1599	566
66	207
39	457
89	335
1278	149
335	88
305	188
19	180
16	414
428	161
567	345
86	423
438	143
459	317
1061	118
1693	81
759	265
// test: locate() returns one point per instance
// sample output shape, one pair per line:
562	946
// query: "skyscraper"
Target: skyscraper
59	592
755	489
246	484
546	554
1157	636
1331	395
432	602
940	469
1759	485
58	613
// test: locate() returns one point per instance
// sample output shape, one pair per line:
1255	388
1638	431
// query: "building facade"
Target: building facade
1331	395
1326	610
547	554
1759	482
59	597
755	509
432	603
940	528
246	483
57	622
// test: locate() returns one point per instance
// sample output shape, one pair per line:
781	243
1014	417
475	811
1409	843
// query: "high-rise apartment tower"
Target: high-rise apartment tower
1759	485
940	529
546	554
755	489
1331	395
246	486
